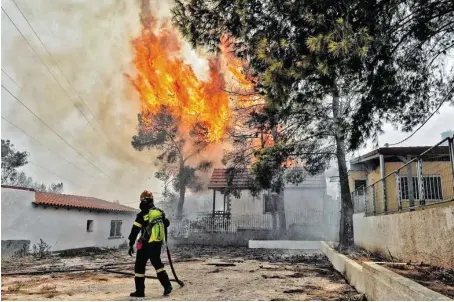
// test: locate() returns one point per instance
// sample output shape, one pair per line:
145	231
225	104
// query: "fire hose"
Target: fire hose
106	268
170	261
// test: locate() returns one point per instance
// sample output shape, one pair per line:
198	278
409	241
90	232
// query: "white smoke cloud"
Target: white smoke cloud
90	52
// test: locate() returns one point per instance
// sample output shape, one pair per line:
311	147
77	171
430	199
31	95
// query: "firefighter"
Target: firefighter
150	222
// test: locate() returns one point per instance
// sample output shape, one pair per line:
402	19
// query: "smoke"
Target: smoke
82	65
76	84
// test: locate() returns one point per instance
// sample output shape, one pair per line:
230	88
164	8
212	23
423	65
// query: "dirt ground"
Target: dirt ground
438	279
209	274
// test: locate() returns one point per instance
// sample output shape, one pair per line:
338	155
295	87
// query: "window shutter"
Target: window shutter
112	228
118	229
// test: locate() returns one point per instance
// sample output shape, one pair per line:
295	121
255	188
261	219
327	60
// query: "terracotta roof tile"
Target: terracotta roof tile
218	180
80	202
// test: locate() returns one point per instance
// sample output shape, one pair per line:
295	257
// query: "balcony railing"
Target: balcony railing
432	182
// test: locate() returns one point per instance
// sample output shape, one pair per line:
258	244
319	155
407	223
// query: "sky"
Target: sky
66	100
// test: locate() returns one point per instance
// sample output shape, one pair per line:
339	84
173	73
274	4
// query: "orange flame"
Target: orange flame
164	79
243	86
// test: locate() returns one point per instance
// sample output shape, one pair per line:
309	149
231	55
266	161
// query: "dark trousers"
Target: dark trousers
149	251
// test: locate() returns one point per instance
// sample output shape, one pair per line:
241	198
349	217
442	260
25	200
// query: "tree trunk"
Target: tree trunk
281	211
182	190
346	239
281	201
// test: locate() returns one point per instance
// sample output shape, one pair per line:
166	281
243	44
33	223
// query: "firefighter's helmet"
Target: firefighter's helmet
146	194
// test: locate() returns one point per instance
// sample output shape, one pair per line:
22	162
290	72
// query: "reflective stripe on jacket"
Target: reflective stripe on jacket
151	224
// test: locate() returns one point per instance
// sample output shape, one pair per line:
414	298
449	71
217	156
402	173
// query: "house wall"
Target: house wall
59	227
308	196
245	205
310	213
422	236
429	168
356	175
441	168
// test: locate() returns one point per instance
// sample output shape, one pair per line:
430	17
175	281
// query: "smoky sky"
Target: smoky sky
66	62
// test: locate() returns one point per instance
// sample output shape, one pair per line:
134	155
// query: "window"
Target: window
89	225
115	228
269	203
432	188
360	186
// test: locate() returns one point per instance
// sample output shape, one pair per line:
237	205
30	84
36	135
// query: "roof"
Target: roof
401	151
242	180
18	188
79	202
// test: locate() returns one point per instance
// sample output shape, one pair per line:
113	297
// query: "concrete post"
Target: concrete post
365	198
411	195
451	156
382	174
214	202
421	184
373	200
399	191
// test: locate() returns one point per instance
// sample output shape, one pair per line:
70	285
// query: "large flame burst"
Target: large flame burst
163	78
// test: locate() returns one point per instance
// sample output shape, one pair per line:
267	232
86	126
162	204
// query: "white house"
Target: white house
62	221
308	207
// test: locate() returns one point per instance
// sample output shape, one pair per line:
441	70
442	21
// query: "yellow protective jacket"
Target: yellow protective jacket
151	224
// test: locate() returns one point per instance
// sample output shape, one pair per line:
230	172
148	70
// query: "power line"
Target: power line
78	95
47	67
50	72
86	149
430	116
51	129
58	65
39	143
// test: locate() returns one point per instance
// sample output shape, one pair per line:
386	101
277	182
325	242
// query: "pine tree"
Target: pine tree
161	131
331	72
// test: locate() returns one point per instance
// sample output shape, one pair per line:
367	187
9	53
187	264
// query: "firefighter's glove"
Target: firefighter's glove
166	223
131	249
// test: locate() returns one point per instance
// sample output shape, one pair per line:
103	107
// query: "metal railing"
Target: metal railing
431	182
206	223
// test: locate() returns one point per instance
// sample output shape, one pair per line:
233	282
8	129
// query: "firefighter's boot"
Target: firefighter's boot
140	287
165	282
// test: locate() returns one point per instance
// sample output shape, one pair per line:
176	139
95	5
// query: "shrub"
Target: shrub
41	250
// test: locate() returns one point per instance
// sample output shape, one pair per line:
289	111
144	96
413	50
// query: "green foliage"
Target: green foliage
161	131
331	72
388	54
11	161
157	130
205	165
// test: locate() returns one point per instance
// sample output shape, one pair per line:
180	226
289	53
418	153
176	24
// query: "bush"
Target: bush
41	250
23	252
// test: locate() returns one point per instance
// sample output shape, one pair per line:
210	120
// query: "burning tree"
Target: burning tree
182	115
332	72
162	131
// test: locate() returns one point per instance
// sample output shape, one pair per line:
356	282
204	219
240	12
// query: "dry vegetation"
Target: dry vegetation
435	278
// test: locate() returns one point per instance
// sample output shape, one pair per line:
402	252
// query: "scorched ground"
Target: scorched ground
209	274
